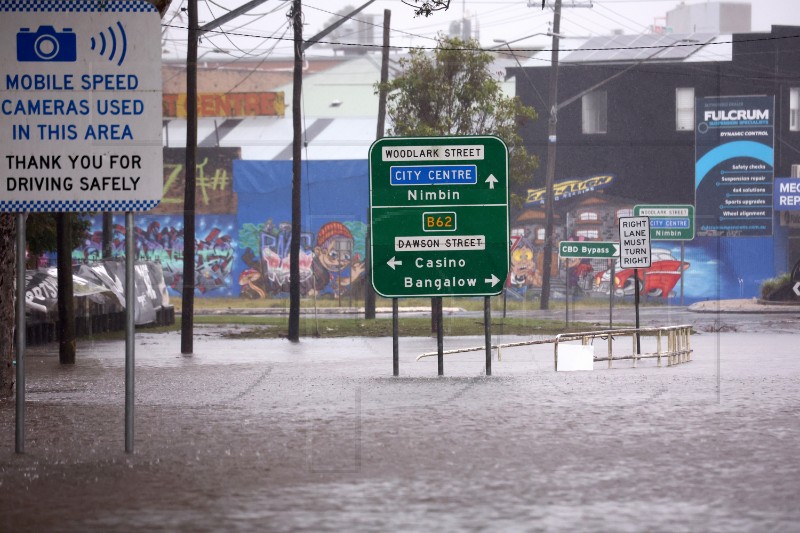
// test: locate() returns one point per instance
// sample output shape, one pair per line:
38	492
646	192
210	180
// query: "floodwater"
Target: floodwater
271	436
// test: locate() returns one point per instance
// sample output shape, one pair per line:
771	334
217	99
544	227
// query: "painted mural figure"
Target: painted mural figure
333	255
524	270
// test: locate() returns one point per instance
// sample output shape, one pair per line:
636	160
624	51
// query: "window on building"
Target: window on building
626	212
794	109
540	235
588	233
684	108
595	116
588	216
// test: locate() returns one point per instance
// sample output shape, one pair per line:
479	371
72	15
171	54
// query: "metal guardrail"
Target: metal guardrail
678	344
678	350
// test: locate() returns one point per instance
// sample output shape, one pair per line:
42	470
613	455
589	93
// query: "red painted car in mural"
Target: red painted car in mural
658	280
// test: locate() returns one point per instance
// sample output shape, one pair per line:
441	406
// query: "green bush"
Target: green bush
771	285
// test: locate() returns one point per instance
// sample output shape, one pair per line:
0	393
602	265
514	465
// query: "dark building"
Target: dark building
632	115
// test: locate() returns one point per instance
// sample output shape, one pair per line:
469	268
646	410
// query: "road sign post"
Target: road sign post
439	219
634	240
81	127
668	222
439	216
587	249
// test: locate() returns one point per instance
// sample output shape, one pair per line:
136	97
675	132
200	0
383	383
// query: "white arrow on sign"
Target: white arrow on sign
393	262
796	288
491	180
493	280
615	246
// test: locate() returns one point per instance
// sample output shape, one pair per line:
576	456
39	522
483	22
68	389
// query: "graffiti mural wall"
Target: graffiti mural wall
333	228
710	267
243	228
160	239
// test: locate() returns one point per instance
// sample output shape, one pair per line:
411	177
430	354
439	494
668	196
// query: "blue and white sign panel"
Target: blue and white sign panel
786	194
80	106
734	165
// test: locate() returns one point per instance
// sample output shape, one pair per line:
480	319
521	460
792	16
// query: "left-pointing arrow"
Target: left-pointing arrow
796	288
493	280
393	263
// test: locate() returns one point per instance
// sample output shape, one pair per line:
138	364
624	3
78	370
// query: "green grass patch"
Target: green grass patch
276	327
468	304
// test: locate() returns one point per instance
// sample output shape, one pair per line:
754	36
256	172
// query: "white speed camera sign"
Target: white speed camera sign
80	106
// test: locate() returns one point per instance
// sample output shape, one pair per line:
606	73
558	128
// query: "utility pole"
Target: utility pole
294	246
552	131
369	292
294	249
187	309
190	183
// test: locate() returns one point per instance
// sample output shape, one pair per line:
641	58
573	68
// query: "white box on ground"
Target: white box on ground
575	357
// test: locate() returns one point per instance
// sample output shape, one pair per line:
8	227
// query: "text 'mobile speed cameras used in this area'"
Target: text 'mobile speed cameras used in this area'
80	106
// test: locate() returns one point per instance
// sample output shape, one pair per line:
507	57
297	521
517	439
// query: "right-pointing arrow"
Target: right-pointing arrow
615	246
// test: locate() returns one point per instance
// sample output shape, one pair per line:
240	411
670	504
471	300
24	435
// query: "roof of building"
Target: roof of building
652	48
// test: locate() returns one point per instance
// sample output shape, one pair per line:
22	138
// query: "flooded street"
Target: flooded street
267	435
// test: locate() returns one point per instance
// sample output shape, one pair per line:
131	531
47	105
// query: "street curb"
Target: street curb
752	306
275	311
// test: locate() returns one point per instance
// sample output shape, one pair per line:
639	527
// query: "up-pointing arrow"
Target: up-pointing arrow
393	263
491	180
493	280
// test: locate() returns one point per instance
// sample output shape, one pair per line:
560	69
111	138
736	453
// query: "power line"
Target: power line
491	49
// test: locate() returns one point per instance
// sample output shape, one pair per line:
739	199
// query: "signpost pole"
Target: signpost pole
636	304
440	338
395	343
19	446
611	294
682	270
487	331
566	295
130	298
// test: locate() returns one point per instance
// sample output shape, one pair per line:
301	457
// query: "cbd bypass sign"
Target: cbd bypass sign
439	216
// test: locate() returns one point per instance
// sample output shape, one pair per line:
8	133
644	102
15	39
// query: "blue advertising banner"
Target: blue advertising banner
787	194
734	165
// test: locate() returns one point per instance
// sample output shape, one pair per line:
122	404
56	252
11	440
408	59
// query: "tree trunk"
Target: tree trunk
66	300
7	276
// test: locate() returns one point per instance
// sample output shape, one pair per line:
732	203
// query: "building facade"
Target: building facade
638	125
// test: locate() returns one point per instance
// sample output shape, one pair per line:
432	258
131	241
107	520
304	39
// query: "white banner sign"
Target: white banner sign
80	106
634	242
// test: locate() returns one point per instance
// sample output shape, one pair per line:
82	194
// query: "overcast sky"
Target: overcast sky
264	31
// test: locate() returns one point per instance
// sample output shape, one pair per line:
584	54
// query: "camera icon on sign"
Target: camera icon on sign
46	44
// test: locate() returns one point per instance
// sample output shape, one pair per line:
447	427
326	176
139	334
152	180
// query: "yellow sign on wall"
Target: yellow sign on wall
268	104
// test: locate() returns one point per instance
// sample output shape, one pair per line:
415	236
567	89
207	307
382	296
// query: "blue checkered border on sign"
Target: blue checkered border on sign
76	206
85	6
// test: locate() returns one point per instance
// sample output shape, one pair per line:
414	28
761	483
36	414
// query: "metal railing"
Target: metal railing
678	344
678	349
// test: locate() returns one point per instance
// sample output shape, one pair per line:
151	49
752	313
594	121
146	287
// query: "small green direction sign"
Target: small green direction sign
587	249
439	216
668	222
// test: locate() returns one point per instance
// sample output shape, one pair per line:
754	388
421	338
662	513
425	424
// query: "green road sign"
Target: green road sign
668	222
439	216
587	249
